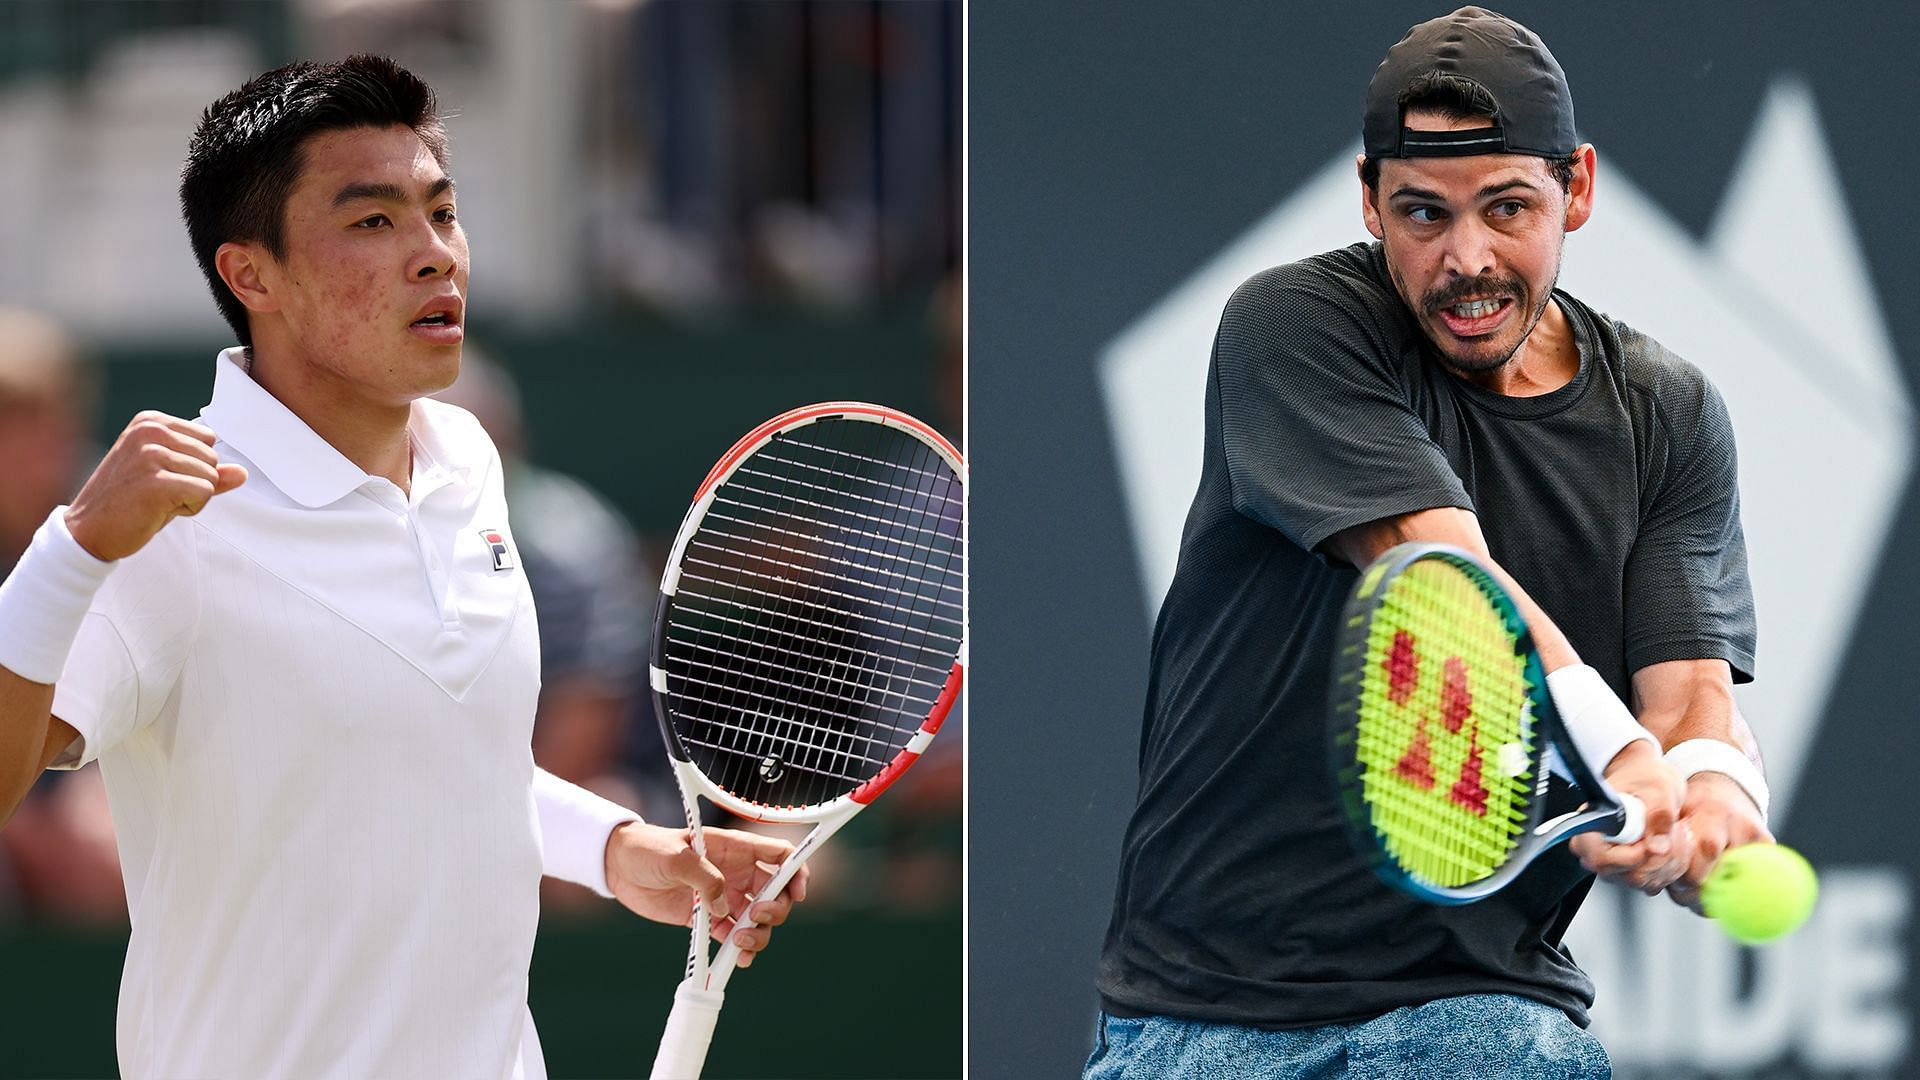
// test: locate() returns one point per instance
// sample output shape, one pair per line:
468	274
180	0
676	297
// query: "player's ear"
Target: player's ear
1580	190
249	274
1369	212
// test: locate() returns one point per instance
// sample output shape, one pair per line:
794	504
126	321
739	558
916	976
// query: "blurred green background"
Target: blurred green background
600	995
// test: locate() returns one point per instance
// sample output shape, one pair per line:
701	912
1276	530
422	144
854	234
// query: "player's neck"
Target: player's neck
371	434
1547	360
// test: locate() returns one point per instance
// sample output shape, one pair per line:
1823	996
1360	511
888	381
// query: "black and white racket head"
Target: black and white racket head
810	637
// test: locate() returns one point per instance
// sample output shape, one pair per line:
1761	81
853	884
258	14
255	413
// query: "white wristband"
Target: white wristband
1711	755
1597	722
574	827
44	600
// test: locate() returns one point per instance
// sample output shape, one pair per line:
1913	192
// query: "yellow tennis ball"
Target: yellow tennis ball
1759	892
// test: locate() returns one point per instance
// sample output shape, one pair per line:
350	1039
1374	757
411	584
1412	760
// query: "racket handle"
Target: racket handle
1633	820
683	1045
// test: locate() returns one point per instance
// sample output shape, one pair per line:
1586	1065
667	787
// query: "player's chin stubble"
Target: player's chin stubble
1428	315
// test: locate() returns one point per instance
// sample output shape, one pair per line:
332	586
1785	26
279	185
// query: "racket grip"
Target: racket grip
683	1045
1633	820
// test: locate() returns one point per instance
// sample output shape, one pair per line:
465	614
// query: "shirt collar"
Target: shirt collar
304	466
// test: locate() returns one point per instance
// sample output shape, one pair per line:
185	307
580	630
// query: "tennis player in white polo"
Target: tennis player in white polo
312	693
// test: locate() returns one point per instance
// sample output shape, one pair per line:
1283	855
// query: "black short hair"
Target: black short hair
245	156
1457	97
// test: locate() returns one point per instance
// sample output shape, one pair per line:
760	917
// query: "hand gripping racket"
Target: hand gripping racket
809	642
1443	730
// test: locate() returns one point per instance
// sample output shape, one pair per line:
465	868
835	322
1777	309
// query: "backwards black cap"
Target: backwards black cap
1533	107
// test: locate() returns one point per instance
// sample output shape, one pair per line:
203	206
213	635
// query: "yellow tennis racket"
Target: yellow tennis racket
1443	731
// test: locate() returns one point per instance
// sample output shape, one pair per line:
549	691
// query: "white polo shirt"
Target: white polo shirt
312	704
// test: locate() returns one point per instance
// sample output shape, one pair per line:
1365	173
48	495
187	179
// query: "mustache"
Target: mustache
1470	288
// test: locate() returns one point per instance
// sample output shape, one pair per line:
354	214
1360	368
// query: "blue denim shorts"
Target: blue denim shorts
1472	1037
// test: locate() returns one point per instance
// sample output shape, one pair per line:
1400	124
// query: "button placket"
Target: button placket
436	571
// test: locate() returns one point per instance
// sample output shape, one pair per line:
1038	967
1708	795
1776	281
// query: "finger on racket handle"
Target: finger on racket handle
728	955
1633	820
683	1045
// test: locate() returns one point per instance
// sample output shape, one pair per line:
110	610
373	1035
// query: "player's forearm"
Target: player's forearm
1689	706
1684	700
1362	544
24	709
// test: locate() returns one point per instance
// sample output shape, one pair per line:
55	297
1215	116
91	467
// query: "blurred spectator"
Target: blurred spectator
57	856
593	593
45	399
692	155
807	149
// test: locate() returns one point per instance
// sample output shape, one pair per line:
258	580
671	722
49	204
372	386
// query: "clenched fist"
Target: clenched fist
159	468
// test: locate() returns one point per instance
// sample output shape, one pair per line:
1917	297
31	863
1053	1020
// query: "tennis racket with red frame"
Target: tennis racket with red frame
810	641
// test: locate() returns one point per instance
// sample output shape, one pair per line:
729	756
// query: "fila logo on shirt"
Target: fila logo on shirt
497	543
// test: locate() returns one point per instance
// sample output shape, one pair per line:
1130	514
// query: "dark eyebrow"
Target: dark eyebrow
1491	190
1487	192
387	192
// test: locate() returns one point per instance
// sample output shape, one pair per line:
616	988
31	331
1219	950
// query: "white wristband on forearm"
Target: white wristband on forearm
1597	722
44	600
1711	755
574	827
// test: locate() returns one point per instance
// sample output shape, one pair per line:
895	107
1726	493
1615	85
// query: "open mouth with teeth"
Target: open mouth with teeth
439	328
1473	318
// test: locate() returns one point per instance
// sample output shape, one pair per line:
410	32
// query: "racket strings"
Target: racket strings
776	693
880	506
813	631
940	471
826	593
880	500
749	542
688	630
1445	747
915	567
870	526
723	660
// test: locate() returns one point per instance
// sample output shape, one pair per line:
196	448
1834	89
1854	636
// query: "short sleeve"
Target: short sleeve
1316	422
1687	592
131	647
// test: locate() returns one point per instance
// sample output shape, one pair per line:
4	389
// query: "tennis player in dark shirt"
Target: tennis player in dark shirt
1431	386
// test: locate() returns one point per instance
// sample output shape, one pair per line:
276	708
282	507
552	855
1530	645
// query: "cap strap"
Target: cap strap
1482	140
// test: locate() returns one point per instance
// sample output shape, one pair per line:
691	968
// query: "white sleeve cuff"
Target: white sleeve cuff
574	827
1598	724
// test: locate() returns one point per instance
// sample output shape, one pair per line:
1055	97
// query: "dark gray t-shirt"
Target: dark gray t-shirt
1611	500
